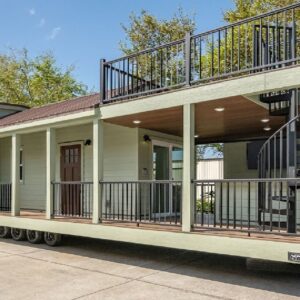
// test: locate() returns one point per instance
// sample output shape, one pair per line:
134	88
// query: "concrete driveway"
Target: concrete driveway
95	269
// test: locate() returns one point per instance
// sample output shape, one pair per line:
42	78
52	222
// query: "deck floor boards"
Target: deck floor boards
35	214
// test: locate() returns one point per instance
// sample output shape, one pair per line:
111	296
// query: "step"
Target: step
278	198
269	98
279	112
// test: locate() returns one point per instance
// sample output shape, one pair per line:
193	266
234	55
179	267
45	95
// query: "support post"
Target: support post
15	175
50	169
188	198
102	81
292	165
188	58
97	169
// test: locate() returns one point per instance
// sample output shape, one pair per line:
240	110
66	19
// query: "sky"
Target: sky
81	32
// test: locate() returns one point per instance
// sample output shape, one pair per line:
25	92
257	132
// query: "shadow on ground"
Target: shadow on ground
275	277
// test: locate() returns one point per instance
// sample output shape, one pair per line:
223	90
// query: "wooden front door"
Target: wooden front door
70	171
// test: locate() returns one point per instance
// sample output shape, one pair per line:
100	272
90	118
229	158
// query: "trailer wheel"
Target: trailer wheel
18	234
5	232
34	237
52	239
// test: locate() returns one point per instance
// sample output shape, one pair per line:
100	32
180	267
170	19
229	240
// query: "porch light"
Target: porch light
265	120
219	109
196	136
267	128
137	122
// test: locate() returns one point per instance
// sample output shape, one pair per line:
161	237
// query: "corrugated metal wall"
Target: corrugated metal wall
210	169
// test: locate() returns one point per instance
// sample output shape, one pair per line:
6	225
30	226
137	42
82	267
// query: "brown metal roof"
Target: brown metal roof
51	110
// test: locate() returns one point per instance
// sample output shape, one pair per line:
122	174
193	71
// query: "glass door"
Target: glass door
167	165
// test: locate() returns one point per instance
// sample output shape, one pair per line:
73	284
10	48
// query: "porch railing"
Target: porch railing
235	204
264	42
72	199
5	197
142	201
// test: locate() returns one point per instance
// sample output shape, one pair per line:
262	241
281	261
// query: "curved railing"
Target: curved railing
254	44
279	151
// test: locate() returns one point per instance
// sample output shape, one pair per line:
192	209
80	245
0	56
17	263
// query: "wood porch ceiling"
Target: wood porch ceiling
241	120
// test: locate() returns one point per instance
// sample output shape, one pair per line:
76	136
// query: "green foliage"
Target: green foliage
35	81
146	31
206	206
249	8
216	149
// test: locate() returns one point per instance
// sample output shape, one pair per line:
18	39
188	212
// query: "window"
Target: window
21	166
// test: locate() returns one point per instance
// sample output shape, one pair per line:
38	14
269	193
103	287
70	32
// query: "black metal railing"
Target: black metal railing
143	201
233	204
256	44
5	196
72	199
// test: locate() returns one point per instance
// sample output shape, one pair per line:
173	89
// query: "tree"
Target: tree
147	31
35	81
248	8
213	149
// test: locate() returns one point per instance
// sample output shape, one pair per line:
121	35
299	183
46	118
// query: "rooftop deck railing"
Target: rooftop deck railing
256	44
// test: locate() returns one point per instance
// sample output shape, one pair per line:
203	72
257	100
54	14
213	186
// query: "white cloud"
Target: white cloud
42	22
54	32
32	11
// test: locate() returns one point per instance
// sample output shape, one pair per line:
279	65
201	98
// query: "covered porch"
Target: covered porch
139	170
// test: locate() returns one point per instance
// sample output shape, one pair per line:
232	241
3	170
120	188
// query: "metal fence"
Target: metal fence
72	199
256	44
235	204
142	201
5	197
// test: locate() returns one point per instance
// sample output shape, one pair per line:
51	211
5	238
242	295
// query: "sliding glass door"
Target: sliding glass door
167	166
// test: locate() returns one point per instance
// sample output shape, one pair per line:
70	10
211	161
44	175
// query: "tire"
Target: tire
52	239
34	237
5	232
18	234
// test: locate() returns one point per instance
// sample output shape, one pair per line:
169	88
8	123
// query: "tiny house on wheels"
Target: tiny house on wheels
120	165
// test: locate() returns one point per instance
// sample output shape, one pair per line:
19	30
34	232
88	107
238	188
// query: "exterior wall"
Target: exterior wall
235	161
145	150
76	135
120	153
120	159
5	160
33	187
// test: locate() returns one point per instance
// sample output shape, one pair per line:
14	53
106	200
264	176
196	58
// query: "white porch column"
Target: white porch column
15	175
97	169
50	169
188	166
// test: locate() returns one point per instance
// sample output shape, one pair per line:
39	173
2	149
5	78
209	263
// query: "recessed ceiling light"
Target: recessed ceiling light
219	109
196	136
137	122
267	128
265	120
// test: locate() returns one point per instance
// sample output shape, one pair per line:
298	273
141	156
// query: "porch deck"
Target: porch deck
266	236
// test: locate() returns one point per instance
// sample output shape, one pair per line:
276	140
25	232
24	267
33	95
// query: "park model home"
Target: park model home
120	165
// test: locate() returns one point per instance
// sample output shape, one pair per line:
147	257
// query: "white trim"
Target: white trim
55	122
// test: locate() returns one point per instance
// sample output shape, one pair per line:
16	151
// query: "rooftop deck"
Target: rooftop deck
257	44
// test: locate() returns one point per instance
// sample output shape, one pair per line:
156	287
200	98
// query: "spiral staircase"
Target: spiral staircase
279	158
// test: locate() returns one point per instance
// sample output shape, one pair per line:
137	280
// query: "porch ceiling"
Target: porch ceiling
240	120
